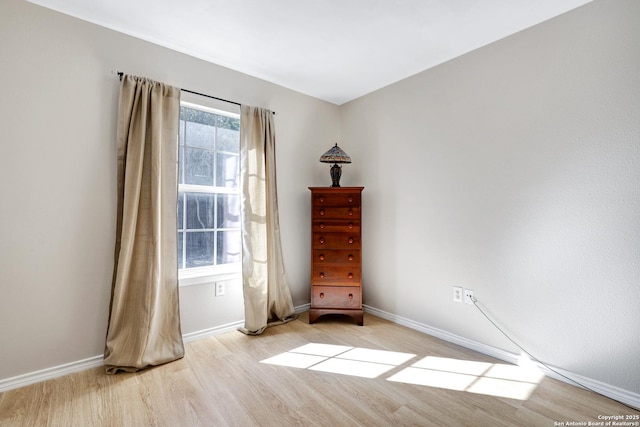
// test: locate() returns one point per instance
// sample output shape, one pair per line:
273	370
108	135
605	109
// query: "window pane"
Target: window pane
227	170
200	211
182	124
198	116
199	135
200	248
180	249
229	246
180	211
226	122
228	140
181	165
228	211
198	166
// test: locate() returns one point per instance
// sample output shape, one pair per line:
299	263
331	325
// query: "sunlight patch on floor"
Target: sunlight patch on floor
328	350
355	368
494	379
294	360
376	356
339	359
511	381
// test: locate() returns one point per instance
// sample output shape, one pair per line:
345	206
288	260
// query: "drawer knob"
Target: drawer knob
350	225
321	199
321	294
321	257
350	296
350	240
350	212
322	225
350	275
322	275
322	240
350	199
350	257
321	212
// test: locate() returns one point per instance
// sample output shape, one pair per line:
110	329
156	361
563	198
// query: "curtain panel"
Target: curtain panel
267	298
144	320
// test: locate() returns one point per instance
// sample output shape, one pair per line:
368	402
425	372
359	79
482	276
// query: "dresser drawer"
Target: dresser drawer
336	297
322	274
341	212
336	199
335	241
336	257
337	226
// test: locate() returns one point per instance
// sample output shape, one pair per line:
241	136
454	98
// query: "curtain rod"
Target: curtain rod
121	74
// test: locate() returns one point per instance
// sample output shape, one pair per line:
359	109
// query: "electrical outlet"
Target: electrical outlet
468	296
457	294
219	289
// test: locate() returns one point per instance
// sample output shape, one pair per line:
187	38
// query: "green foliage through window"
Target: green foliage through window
210	119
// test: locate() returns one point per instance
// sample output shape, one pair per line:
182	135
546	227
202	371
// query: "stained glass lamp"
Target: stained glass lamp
335	155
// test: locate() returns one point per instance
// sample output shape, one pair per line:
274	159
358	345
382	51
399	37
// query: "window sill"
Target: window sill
198	276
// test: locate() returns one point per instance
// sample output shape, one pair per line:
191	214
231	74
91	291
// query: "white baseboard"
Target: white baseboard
209	332
444	335
302	308
616	393
192	336
95	361
49	373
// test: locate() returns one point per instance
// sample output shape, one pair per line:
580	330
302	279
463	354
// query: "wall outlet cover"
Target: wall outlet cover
219	289
468	296
457	293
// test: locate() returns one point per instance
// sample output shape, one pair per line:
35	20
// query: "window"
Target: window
209	241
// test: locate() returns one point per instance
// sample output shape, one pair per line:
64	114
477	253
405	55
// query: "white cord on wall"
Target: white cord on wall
532	357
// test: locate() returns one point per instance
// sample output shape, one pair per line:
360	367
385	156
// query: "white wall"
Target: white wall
516	175
57	180
514	171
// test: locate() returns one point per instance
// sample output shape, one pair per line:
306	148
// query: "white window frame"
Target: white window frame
215	273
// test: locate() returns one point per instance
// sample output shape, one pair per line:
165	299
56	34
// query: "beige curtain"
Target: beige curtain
144	322
267	299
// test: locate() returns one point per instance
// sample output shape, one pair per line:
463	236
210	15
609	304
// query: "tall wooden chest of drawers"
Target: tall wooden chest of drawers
336	260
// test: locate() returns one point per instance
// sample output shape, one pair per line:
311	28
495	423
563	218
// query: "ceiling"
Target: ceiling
336	50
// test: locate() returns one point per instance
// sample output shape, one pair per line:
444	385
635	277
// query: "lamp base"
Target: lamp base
336	173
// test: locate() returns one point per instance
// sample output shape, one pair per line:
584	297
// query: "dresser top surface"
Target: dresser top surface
337	189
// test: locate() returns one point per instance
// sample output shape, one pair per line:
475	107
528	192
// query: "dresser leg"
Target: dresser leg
359	319
313	316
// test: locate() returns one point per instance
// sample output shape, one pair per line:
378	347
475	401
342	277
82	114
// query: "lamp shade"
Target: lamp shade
335	155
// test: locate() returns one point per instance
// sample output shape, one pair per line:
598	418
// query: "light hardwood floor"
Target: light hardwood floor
221	382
